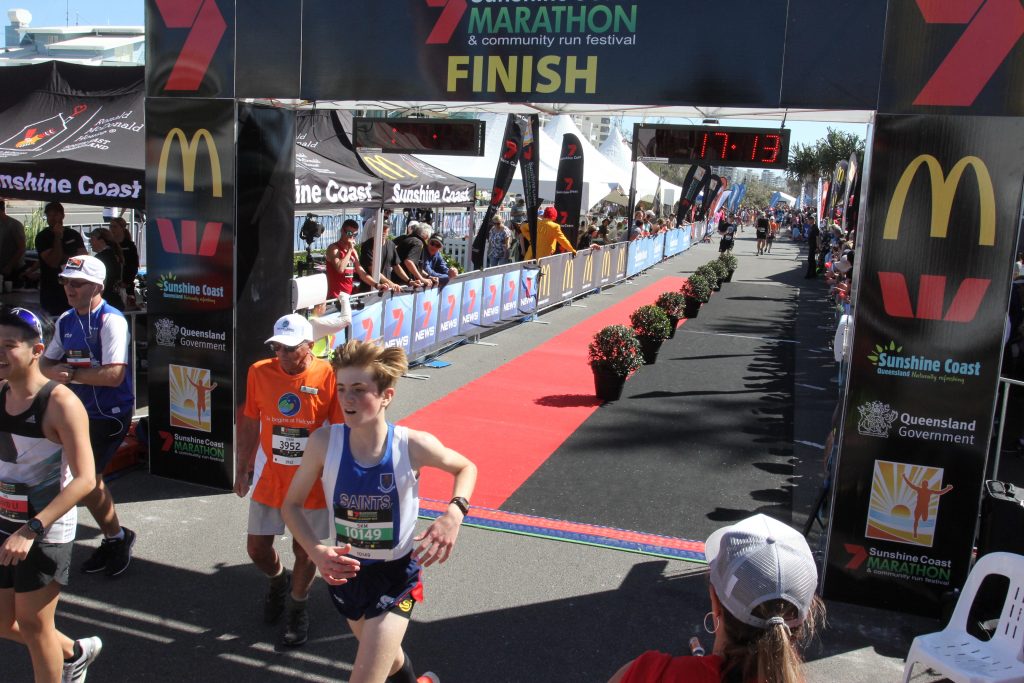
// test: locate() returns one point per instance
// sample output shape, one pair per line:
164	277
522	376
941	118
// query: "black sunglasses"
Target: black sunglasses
275	347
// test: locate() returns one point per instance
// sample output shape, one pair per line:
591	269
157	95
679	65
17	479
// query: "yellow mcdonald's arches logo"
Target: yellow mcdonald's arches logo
622	260
386	168
567	274
189	150
606	264
544	281
588	267
943	191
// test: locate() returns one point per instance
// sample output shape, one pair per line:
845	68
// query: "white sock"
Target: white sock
119	536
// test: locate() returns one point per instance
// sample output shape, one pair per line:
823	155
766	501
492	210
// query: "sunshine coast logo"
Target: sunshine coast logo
890	359
171	288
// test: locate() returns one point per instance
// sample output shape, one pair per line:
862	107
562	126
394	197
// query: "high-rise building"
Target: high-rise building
95	45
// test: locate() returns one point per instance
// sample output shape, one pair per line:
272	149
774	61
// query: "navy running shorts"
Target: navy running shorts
378	588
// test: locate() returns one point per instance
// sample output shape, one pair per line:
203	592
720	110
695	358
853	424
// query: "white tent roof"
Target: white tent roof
617	151
480	170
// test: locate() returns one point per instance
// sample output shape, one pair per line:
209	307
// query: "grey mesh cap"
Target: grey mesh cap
760	559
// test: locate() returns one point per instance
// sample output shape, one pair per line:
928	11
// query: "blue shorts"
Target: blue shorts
379	587
106	436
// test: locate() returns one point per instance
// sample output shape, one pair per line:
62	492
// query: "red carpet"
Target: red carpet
512	419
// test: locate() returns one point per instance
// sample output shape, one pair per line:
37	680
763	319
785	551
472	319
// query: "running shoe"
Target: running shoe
75	671
273	603
296	629
429	677
120	553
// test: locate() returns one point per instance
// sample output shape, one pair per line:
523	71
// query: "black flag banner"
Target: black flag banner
511	148
569	186
712	185
696	179
530	165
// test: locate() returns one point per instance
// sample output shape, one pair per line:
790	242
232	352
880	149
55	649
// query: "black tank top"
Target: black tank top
30	422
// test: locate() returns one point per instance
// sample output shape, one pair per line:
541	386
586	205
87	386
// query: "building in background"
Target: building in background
95	45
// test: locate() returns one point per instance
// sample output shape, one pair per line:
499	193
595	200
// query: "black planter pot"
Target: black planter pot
650	347
607	385
692	307
718	286
673	322
728	278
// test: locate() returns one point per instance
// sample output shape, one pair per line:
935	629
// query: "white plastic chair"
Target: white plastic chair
961	657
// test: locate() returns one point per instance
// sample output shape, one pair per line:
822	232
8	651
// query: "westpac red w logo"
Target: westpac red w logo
206	28
993	29
446	24
932	288
190	243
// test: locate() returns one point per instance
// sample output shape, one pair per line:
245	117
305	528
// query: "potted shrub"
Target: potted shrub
730	262
614	354
652	328
708	272
721	270
697	291
674	305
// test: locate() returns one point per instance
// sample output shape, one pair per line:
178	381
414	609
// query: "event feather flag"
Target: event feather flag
569	187
529	126
511	148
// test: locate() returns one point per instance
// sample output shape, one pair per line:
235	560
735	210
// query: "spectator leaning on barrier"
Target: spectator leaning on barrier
287	398
411	253
90	351
763	578
12	243
391	273
434	264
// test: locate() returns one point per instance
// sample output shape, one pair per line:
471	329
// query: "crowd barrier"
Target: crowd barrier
425	321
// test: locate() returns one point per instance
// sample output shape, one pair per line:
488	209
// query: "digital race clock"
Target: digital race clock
463	137
711	145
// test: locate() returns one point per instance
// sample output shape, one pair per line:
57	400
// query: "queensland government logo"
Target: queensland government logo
877	419
890	359
166	332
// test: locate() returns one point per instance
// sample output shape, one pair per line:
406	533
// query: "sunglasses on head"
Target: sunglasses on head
29	318
276	347
75	284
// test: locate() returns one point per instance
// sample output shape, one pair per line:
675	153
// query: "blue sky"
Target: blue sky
130	12
53	12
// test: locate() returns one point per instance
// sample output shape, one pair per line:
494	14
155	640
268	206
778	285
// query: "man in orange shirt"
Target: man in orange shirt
287	398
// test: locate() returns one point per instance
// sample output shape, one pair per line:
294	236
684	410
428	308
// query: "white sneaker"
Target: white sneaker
74	672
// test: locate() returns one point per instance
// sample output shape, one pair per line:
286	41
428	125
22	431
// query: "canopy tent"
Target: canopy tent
782	197
408	181
617	151
73	133
324	184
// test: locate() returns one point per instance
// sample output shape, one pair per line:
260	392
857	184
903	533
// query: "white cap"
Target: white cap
757	560
87	268
292	330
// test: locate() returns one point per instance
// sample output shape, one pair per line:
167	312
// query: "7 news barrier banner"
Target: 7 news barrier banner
935	261
190	254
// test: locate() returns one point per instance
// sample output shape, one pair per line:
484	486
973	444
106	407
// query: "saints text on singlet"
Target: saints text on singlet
374	507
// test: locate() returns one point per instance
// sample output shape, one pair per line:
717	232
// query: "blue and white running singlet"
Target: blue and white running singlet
375	508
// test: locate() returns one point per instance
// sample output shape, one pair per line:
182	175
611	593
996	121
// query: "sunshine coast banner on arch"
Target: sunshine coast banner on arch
934	266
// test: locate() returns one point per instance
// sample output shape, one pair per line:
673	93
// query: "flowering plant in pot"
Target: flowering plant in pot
708	272
731	262
674	305
721	270
614	353
652	328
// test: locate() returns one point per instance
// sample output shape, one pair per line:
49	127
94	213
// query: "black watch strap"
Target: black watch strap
36	526
461	503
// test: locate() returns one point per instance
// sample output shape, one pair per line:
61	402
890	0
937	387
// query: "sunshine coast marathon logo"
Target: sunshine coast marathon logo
171	335
171	288
889	359
877	419
545	24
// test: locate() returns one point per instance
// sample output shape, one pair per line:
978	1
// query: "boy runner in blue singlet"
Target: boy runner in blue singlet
369	470
46	468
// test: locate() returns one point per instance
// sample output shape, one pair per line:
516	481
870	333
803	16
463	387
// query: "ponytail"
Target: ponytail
771	654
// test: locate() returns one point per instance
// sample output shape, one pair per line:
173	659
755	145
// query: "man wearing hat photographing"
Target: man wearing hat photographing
434	265
90	353
763	578
286	398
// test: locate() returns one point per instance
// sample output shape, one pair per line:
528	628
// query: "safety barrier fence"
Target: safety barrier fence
423	322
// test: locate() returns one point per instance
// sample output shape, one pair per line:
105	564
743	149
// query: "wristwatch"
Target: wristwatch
36	526
461	503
